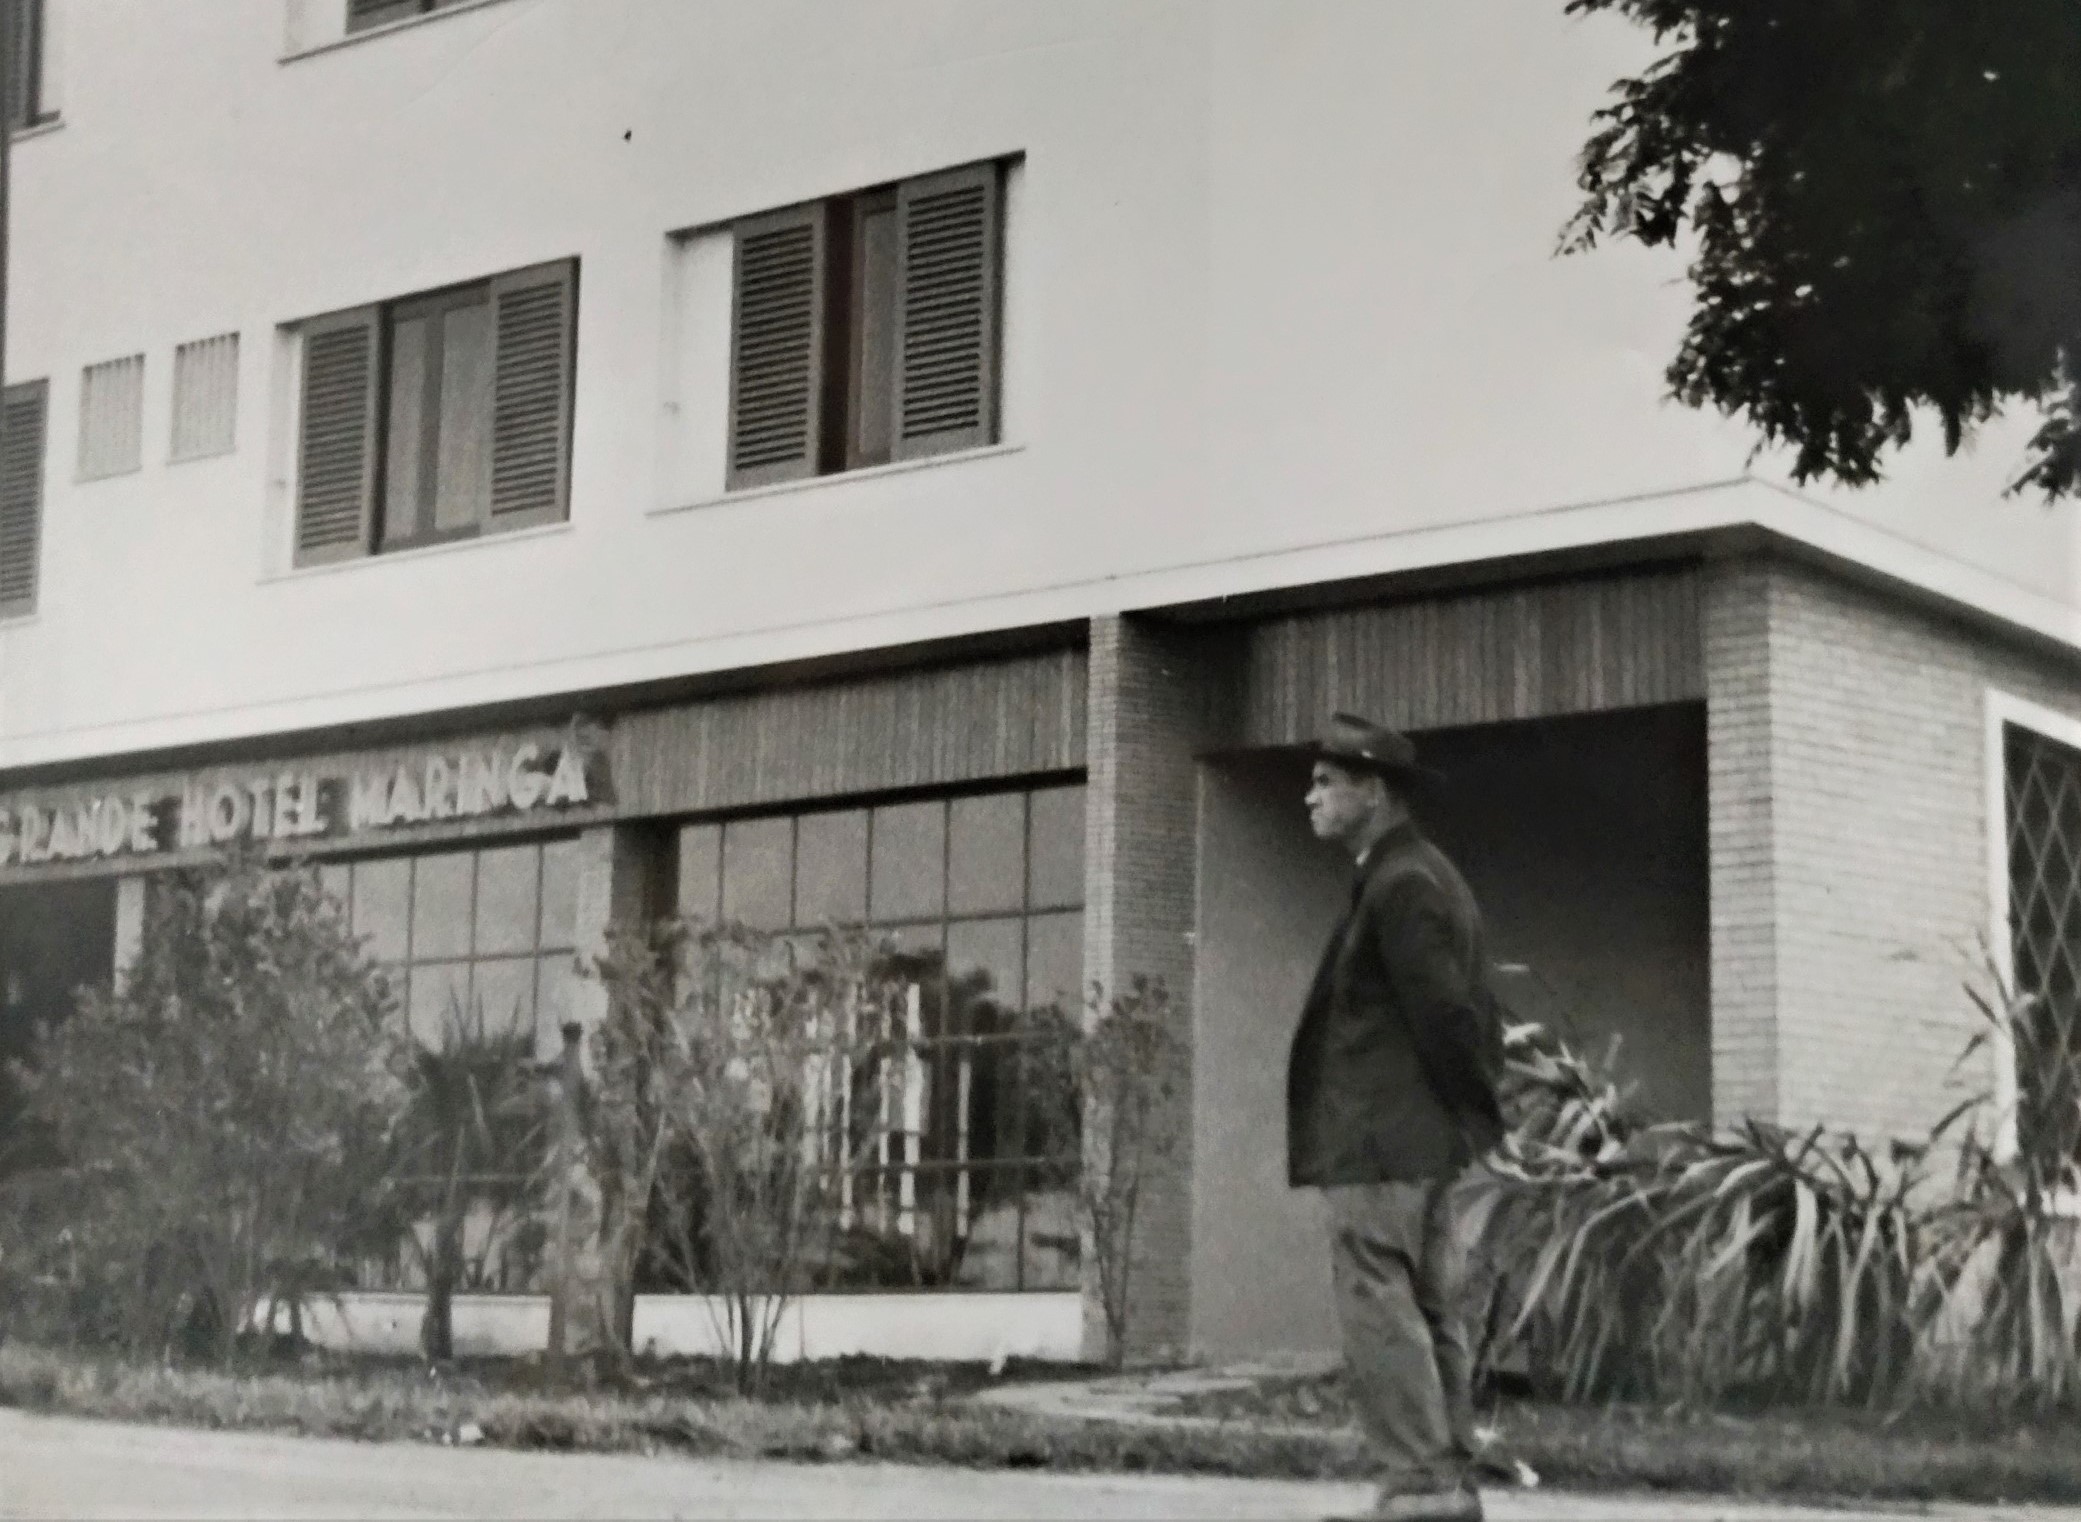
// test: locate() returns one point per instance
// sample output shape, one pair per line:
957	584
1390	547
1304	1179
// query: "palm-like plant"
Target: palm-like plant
469	1143
2002	1285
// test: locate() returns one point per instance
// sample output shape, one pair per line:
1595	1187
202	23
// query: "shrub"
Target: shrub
1683	1262
712	1126
1124	1069
467	1169
221	1121
2001	1326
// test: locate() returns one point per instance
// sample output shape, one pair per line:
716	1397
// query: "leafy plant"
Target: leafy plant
470	1146
2002	1326
221	1121
709	1117
1126	1068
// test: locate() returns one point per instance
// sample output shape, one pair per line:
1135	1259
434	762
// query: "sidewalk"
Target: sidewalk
65	1468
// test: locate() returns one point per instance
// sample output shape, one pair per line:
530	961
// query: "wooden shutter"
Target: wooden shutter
362	14
22	412
946	311
776	338
336	458
24	63
534	313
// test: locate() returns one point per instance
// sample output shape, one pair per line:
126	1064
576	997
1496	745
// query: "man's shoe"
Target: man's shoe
1460	1504
1502	1469
1490	1461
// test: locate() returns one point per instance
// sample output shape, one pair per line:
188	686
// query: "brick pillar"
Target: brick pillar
1149	715
1742	851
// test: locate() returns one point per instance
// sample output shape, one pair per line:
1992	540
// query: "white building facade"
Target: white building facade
557	461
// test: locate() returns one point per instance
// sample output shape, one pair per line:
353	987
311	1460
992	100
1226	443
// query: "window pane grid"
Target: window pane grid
507	960
2043	795
967	1187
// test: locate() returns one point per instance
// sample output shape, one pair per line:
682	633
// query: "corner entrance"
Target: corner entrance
1584	838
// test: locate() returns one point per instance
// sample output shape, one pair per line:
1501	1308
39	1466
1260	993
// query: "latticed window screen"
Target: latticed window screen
111	421
2043	789
205	397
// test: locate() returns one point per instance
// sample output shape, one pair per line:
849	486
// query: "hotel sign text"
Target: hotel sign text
288	805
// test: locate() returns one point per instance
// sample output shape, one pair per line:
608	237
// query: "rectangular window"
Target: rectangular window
2042	792
111	418
21	70
477	935
441	416
864	328
982	895
480	947
363	14
205	398
22	417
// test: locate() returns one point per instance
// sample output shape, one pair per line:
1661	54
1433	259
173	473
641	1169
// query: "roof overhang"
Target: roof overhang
1745	515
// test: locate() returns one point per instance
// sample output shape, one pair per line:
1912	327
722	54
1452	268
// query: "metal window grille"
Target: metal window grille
111	425
205	398
2043	788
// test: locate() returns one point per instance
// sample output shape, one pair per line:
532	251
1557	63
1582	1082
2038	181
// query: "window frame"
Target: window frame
432	305
400	969
33	112
2003	711
420	10
991	1055
505	293
835	397
36	393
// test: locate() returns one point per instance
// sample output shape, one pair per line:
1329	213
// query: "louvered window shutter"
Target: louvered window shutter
367	13
21	495
777	330
535	314
946	311
336	477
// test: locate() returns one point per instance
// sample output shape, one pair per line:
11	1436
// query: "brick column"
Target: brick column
1149	714
1742	850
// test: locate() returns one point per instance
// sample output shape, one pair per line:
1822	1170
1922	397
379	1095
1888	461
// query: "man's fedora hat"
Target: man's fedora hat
1360	745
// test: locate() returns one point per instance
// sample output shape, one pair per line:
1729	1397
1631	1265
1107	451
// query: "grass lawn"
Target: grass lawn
917	1412
1907	1456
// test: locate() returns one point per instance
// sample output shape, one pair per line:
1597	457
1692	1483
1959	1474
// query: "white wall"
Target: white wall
1280	273
972	1327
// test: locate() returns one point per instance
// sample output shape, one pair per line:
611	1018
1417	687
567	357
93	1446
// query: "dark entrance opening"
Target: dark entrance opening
55	939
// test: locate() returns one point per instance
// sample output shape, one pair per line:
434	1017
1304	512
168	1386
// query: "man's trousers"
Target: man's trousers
1398	1259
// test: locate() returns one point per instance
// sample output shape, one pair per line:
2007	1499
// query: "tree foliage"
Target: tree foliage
1885	197
222	1120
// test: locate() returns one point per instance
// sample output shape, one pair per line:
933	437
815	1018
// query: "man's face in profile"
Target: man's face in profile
1340	802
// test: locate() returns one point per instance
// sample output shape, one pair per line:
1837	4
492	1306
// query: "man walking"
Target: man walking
1391	1095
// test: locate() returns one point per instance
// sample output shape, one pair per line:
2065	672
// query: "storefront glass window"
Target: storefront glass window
969	1182
470	935
480	947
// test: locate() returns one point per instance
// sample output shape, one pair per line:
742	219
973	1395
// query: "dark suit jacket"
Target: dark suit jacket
1395	1064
